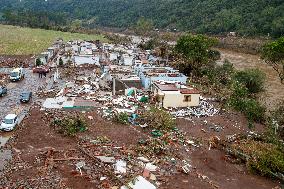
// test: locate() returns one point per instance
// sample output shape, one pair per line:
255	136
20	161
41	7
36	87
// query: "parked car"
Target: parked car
17	74
41	69
25	97
9	122
3	90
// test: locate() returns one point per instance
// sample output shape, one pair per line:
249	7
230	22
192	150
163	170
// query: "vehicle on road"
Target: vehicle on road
9	122
41	69
25	96
3	90
17	74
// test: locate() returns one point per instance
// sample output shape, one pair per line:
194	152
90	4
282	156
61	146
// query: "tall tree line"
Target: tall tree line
255	17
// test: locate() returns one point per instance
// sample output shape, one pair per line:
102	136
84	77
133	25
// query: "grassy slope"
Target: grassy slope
24	41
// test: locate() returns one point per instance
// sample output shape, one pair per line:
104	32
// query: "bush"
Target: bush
38	62
218	77
69	126
151	147
60	62
278	116
214	55
158	119
240	101
121	118
253	79
251	108
264	158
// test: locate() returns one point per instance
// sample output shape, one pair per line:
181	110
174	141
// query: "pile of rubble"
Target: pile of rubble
4	79
205	109
113	105
10	62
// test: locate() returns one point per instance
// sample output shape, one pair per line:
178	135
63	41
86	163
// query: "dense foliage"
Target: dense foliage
273	54
253	79
195	50
69	126
263	158
255	17
238	89
158	119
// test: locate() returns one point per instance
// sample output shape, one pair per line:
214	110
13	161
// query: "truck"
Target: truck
17	74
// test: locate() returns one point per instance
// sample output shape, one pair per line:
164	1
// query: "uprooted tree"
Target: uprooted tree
273	55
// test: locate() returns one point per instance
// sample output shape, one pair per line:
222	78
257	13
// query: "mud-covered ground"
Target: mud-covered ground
210	168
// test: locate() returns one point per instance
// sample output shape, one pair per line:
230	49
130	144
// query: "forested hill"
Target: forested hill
247	17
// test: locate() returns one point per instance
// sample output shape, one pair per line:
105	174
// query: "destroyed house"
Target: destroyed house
44	57
169	94
150	74
127	60
126	82
86	59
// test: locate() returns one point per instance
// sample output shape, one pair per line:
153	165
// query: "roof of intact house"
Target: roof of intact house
183	89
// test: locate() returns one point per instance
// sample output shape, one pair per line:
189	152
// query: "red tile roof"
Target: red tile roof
189	91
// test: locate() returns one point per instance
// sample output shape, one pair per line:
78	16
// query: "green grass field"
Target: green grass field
25	41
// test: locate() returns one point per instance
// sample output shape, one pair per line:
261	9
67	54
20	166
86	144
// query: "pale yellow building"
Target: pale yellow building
175	95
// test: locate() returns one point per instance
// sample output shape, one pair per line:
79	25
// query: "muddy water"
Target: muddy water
274	90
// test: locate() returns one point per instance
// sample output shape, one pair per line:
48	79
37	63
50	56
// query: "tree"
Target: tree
195	50
76	24
143	26
60	61
273	55
38	62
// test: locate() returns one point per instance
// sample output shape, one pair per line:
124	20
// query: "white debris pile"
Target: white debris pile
116	105
204	109
75	90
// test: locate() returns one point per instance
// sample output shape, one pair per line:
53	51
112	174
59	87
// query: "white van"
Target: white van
17	74
9	122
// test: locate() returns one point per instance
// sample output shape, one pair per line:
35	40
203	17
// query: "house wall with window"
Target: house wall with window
176	98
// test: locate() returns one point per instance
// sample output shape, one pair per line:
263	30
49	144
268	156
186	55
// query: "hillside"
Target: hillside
23	41
255	17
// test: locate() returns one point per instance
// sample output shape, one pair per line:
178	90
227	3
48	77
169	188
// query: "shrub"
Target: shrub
151	147
218	77
264	158
38	62
121	118
60	62
278	116
69	126
158	119
214	55
253	79
240	101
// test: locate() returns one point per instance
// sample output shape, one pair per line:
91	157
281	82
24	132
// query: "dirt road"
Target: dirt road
274	90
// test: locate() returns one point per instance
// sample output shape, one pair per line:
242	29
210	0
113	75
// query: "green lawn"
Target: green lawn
25	41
